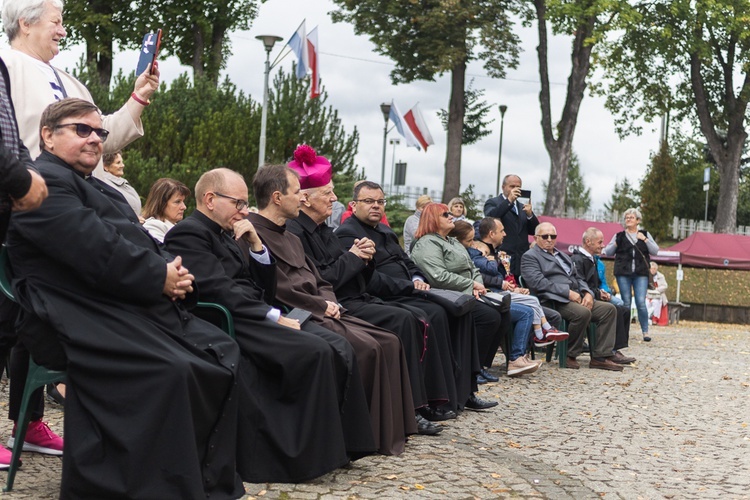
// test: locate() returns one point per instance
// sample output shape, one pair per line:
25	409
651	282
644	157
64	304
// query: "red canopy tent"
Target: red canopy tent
570	231
725	251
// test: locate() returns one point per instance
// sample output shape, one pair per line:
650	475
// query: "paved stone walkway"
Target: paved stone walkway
673	426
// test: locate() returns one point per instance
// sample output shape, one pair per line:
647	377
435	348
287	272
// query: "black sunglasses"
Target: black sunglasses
83	130
447	215
548	236
240	205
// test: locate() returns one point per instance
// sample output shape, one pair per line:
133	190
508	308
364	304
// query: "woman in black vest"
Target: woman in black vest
632	249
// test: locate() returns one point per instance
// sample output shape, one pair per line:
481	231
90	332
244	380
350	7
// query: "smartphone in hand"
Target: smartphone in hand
149	51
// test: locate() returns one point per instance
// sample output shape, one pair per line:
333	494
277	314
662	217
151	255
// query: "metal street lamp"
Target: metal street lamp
394	142
268	42
503	109
386	109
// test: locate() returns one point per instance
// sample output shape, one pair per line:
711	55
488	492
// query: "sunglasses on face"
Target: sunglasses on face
240	205
83	130
447	215
548	236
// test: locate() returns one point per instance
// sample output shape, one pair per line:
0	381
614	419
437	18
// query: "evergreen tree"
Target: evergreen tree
623	197
475	118
577	195
658	194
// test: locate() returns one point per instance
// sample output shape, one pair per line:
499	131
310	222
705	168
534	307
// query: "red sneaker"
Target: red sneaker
40	438
555	335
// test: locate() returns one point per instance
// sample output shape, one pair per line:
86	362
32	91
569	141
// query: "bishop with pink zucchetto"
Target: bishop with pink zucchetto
314	171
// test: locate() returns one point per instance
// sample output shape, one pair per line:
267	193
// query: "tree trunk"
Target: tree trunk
456	111
215	53
560	148
727	155
198	50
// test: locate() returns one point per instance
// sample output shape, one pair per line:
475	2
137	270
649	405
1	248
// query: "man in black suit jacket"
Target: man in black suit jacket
519	220
552	277
584	258
307	381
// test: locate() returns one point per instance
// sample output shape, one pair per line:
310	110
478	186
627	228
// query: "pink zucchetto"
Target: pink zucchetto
314	171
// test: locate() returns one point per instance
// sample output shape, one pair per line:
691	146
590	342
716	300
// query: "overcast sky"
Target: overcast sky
357	81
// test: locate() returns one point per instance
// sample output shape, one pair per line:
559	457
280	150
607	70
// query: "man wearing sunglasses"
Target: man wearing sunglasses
551	276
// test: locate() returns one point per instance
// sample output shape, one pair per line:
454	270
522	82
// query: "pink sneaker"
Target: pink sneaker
5	458
40	438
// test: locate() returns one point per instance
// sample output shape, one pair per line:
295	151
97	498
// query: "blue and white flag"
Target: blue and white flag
298	44
398	120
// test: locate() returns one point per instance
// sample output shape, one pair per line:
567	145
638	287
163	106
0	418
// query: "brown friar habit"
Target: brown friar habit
393	281
150	408
302	405
379	353
426	349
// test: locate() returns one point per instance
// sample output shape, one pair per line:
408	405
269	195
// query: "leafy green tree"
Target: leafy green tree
688	156
197	32
475	119
433	37
623	197
658	194
577	196
589	22
690	56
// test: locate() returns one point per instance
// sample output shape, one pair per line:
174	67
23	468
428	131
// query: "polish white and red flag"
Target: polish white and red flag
312	58
418	127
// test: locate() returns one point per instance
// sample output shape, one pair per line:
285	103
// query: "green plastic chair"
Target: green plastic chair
216	314
37	377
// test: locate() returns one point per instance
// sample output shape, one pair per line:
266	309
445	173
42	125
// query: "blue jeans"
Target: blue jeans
522	318
639	285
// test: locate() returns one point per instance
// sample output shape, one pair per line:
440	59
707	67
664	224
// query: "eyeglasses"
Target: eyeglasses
83	130
547	236
240	205
447	215
370	201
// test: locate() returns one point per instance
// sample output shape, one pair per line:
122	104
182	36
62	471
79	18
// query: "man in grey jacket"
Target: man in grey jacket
552	276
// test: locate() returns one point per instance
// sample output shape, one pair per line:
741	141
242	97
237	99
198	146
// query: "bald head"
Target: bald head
216	180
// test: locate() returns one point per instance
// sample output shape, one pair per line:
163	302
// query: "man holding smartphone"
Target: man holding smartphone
518	218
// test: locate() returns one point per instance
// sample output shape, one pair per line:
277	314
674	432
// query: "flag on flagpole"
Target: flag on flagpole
312	59
398	120
298	44
416	123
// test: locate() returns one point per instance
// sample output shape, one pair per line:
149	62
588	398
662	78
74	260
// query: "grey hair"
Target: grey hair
31	10
632	211
590	234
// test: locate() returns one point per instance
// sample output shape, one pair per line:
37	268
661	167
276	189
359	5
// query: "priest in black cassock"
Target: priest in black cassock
150	410
302	405
379	353
350	272
398	277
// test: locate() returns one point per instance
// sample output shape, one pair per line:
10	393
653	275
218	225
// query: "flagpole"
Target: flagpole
386	110
268	42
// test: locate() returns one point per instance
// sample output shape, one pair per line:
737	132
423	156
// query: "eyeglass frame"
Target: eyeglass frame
371	201
100	132
447	215
547	236
240	205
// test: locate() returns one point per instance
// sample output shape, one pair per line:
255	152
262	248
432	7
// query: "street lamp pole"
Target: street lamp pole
386	110
268	43
503	109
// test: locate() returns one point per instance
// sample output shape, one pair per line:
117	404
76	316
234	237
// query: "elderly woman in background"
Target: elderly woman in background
447	265
35	28
165	207
412	222
632	249
457	208
114	169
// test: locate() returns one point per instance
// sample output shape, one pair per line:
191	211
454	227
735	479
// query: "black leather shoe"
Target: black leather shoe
436	414
488	376
475	403
481	380
427	428
54	394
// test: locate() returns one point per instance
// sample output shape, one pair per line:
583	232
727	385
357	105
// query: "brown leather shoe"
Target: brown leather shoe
621	359
572	363
605	364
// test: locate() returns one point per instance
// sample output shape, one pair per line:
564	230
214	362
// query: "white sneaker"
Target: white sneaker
519	366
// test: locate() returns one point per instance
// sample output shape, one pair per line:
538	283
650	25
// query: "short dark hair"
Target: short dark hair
486	225
364	184
56	112
269	179
158	197
109	158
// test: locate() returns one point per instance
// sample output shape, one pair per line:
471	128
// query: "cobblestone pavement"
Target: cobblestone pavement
673	426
